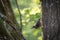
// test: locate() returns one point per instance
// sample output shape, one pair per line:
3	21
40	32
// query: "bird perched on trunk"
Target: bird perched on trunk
37	25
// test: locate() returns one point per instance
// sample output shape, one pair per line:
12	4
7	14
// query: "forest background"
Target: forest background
31	12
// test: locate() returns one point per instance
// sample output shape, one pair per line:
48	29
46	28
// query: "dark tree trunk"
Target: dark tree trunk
51	19
8	24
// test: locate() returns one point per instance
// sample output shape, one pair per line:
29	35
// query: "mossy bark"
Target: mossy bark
6	31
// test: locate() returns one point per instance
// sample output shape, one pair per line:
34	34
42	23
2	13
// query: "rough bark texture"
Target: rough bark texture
6	31
51	19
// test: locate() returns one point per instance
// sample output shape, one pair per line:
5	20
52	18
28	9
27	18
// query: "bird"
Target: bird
37	25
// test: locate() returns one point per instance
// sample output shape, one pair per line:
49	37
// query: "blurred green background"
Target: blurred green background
31	12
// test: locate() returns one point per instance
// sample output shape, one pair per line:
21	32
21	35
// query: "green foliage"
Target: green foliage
31	12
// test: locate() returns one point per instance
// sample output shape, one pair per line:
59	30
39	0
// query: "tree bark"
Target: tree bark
6	31
51	19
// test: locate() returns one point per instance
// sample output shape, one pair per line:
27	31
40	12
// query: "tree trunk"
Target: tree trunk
51	19
9	28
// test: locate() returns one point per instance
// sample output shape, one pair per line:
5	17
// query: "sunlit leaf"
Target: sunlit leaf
40	38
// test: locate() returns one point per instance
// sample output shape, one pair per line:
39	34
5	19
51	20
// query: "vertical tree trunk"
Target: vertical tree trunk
51	19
